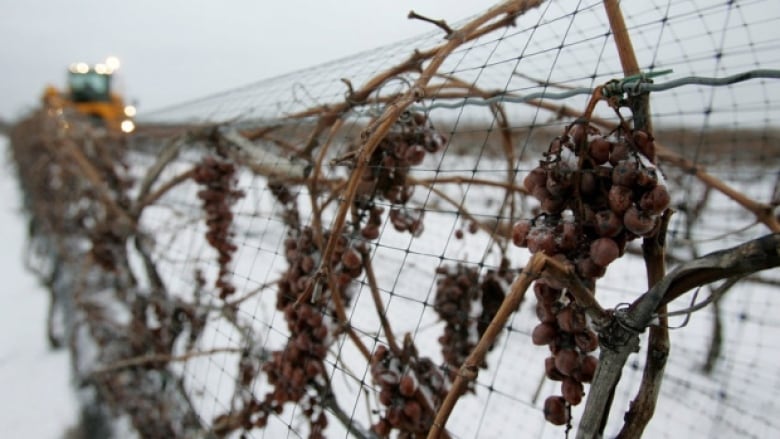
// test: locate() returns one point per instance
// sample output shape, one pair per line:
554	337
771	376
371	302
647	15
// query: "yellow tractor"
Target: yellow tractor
90	93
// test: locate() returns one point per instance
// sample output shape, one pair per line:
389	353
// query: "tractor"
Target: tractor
90	93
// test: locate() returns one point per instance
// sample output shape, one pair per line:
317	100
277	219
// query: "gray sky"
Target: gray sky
176	50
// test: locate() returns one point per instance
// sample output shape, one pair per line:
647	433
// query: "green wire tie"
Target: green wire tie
631	84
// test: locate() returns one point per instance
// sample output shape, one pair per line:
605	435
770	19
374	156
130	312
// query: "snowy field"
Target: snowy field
37	400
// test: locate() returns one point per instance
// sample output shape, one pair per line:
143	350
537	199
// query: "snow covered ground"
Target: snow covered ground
37	400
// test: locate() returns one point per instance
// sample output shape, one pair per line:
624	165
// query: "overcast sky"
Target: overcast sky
176	50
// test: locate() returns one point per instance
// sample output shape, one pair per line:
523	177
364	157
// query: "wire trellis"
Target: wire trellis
344	251
632	85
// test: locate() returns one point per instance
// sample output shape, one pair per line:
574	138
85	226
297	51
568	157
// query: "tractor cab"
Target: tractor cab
90	92
89	86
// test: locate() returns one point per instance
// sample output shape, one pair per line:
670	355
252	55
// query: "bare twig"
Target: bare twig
763	212
314	187
643	406
145	360
378	304
163	189
543	82
235	303
622	39
341	315
715	295
640	104
170	152
439	23
328	400
459	206
457	179
716	343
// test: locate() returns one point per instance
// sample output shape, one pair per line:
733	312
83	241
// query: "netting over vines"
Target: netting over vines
504	227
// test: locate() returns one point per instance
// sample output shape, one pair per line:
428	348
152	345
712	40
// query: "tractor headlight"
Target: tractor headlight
130	111
127	126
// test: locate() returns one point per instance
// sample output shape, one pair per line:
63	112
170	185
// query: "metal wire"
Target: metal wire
633	84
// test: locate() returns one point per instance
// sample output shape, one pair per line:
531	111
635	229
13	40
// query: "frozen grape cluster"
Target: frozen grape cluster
405	146
456	290
218	195
596	193
410	388
467	302
297	371
564	329
304	257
